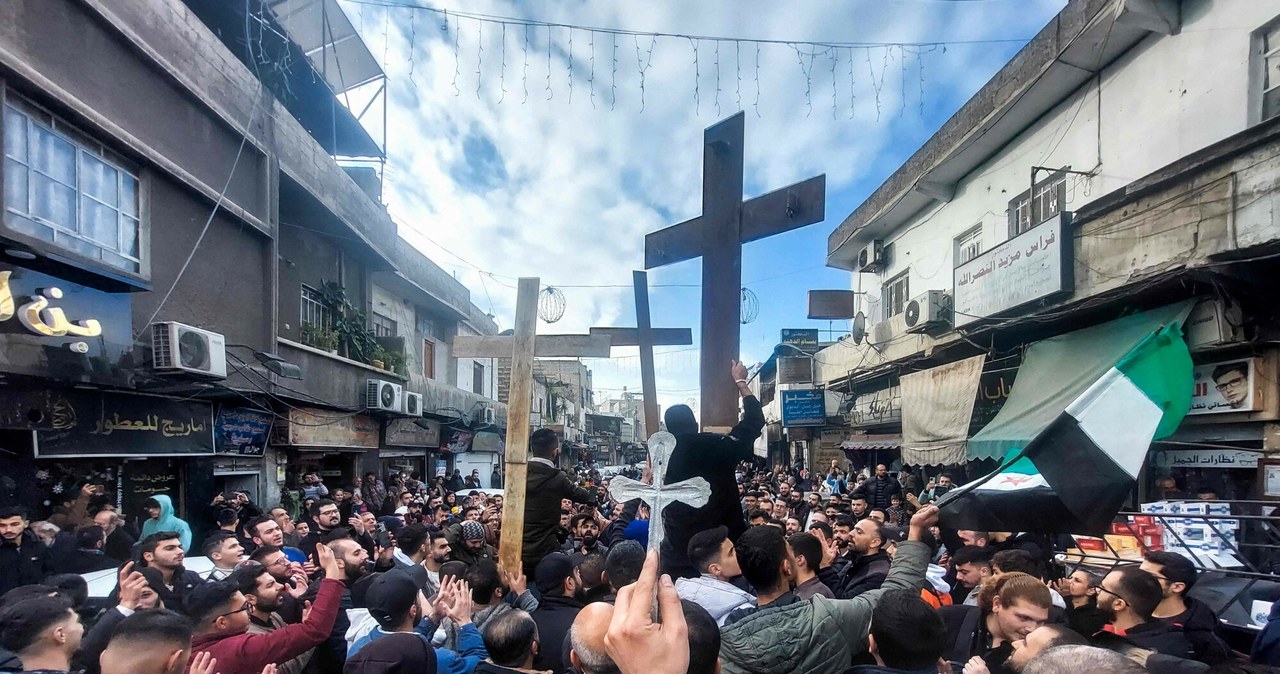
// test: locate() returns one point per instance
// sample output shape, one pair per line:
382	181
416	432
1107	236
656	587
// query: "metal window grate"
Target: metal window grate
314	312
968	245
383	326
896	294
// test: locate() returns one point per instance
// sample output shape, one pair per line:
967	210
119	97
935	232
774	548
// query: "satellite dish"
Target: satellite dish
858	331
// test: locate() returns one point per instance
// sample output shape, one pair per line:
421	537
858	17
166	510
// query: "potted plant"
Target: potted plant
394	360
377	357
320	337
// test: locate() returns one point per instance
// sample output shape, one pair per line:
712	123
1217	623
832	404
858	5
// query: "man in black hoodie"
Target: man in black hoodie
1198	622
713	457
1128	596
24	558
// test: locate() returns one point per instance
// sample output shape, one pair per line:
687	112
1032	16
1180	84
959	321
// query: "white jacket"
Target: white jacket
715	595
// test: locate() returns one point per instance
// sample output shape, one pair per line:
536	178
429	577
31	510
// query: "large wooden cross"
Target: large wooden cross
717	237
521	347
646	337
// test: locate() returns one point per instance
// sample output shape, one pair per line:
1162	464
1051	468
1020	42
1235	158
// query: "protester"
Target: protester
397	606
1082	660
163	557
715	558
868	568
1010	606
512	641
161	518
806	549
266	530
546	487
1177	575
225	551
221	615
935	489
634	636
880	489
43	632
819	635
266	596
152	641
133	594
906	635
1021	561
1128	597
973	567
561	588
1080	589
88	555
467	543
24	558
1039	640
587	650
713	457
120	540
490	586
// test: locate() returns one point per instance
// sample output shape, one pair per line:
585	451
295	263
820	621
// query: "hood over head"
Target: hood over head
680	420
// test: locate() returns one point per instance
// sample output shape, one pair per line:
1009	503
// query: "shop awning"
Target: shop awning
937	406
1057	370
871	445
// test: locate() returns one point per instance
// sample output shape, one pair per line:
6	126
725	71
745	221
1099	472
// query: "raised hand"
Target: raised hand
329	563
269	669
132	584
459	610
976	665
203	663
633	638
306	610
300	585
356	524
921	521
829	551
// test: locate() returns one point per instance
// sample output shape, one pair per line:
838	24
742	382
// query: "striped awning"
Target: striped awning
872	445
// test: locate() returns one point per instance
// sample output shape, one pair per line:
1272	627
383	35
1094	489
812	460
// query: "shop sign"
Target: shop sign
242	431
801	338
322	428
56	329
994	388
1226	386
604	424
142	480
805	407
1031	266
81	423
1206	458
877	408
459	441
407	433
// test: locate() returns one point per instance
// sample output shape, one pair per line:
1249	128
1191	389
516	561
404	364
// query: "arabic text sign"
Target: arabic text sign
242	431
90	423
1029	267
407	433
1224	387
1206	458
53	328
806	407
322	428
877	408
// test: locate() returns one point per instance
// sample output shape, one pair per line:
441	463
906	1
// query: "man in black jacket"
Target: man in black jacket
162	553
868	569
561	586
880	488
545	487
23	557
1129	596
1198	622
713	457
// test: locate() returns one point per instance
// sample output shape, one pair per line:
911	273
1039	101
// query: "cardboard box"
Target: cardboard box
1122	542
1143	519
1090	544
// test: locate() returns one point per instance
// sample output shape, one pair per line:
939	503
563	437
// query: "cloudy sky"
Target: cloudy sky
541	168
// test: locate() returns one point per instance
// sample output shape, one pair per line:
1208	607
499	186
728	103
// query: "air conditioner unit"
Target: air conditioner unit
413	404
928	311
1214	323
486	415
872	257
179	348
383	396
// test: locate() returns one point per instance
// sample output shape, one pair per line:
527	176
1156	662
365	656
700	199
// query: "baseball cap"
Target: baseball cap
389	596
893	534
550	573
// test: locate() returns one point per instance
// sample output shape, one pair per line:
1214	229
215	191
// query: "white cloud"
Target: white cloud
567	191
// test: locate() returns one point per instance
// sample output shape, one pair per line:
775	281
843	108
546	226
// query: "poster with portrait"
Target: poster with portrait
1222	387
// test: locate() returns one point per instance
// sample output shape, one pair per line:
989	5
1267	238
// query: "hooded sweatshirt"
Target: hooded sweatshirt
717	596
168	522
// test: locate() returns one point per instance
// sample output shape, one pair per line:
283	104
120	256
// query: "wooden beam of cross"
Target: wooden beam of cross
521	347
717	237
646	337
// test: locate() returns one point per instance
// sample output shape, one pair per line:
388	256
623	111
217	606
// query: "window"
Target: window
314	312
477	378
383	326
968	245
65	189
428	359
1271	71
896	294
1027	211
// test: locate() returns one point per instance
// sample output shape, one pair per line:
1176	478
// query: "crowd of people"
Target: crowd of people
781	570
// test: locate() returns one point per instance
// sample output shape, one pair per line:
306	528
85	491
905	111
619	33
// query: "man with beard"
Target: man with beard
842	530
467	543
562	592
1038	641
265	530
291	577
266	594
327	516
713	457
880	488
23	556
867	570
1128	597
419	553
489	588
162	553
120	542
1203	629
351	562
586	536
406	623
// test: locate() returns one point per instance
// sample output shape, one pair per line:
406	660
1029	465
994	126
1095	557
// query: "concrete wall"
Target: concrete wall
1166	98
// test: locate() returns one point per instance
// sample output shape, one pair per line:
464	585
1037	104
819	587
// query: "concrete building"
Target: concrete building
173	171
1126	159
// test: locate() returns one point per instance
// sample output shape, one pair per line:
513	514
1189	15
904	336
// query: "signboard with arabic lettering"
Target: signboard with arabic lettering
243	431
1031	266
72	423
55	329
805	407
1224	387
877	408
314	427
411	433
1206	458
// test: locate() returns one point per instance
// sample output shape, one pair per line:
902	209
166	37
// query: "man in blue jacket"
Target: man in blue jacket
394	601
